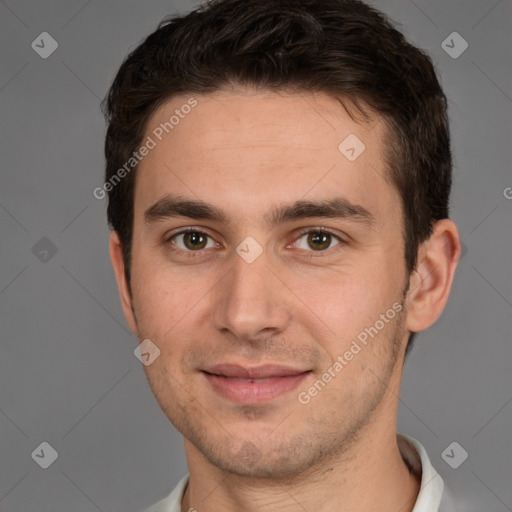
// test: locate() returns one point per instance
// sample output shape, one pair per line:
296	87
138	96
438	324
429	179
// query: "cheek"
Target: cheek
351	307
173	307
161	298
344	299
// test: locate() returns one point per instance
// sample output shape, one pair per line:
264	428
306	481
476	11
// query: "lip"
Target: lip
266	371
255	385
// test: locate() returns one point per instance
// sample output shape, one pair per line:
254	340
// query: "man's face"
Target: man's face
240	293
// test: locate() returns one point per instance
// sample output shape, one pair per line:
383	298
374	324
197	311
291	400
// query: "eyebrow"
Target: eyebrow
171	206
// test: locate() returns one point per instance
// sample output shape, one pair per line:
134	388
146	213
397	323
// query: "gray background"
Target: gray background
68	375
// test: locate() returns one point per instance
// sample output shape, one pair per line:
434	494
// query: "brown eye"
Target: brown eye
318	240
192	241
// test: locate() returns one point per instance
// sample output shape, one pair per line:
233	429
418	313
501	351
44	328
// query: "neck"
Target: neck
370	476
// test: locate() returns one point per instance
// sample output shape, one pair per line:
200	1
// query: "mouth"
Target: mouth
255	385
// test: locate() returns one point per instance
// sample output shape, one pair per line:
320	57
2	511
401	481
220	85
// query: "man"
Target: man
278	176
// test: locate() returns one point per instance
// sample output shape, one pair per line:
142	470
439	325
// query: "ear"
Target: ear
431	282
116	256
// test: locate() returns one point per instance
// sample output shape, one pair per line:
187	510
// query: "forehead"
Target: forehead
246	149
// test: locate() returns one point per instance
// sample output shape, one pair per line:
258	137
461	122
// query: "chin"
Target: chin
284	458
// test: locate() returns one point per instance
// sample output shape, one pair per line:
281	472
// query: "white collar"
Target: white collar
432	485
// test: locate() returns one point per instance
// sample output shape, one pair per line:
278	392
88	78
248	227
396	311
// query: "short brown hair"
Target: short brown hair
342	47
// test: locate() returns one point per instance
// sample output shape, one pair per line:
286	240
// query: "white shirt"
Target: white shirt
433	496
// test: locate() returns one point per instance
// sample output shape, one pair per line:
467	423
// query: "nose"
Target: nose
251	303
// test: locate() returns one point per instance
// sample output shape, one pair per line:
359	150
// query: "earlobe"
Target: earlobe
431	282
116	257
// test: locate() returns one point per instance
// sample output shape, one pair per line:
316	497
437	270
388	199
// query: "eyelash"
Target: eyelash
308	255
